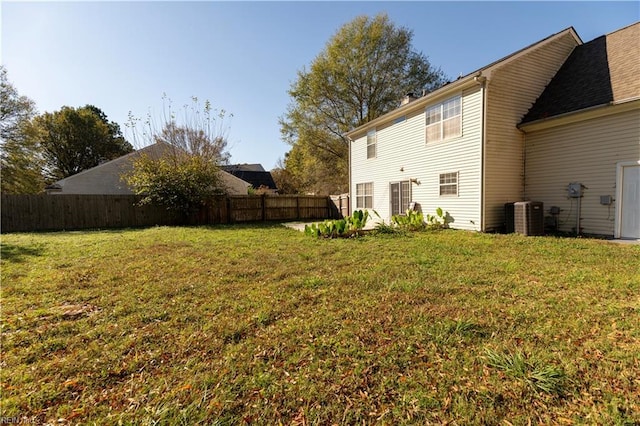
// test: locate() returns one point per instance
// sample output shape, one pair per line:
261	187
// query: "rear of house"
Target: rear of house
404	160
457	148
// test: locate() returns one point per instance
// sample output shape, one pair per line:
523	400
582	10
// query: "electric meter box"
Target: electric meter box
575	190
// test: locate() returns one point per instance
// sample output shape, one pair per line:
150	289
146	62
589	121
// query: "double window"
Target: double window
371	143
400	197
444	120
364	195
449	183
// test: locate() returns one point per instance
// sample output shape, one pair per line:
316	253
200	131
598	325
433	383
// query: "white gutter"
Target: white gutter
601	110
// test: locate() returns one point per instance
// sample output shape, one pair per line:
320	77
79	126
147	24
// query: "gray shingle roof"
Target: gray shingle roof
604	70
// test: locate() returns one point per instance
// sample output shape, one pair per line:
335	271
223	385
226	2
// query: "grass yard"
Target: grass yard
263	325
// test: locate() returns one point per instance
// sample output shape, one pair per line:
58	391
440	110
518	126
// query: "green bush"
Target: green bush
339	228
410	221
438	221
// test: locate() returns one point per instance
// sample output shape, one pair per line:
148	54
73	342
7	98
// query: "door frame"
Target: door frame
619	175
399	183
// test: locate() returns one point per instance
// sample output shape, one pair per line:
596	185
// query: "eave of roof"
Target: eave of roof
596	111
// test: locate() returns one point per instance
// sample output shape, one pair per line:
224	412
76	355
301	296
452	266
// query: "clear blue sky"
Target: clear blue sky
243	56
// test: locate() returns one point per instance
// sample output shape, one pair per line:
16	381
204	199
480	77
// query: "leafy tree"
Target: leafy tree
20	160
363	72
187	174
285	180
114	129
76	139
180	181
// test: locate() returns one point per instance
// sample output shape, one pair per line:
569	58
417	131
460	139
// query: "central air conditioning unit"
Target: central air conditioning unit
528	218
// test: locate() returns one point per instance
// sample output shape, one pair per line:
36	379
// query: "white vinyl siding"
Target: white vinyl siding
511	90
371	144
444	121
403	156
511	87
587	152
364	195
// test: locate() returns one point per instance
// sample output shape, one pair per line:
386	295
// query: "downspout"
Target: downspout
349	141
523	134
482	80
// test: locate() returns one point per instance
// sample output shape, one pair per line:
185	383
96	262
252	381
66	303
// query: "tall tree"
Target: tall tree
76	139
20	160
285	180
114	129
363	72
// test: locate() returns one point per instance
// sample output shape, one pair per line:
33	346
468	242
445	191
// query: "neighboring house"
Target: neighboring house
462	147
105	178
585	128
255	174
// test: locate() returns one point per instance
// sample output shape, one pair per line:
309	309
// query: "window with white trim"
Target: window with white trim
448	184
400	197
364	195
372	140
444	121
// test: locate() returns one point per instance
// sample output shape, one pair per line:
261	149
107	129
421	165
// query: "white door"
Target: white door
630	205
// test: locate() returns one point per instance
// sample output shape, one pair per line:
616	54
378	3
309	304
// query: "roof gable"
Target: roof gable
154	150
125	163
602	71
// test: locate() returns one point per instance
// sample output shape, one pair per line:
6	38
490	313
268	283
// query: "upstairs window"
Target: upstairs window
371	144
444	121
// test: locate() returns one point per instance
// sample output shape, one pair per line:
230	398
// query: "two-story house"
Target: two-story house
478	143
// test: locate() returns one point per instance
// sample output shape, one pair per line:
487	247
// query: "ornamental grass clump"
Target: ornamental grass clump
539	377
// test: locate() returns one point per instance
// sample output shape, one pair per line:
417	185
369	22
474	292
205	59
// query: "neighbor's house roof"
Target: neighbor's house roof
252	174
602	72
456	84
256	167
105	178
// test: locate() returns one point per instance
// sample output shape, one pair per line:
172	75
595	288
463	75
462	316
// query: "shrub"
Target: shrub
438	221
339	228
411	221
179	182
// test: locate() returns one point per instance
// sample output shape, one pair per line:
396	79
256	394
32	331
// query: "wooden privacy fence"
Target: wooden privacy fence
26	213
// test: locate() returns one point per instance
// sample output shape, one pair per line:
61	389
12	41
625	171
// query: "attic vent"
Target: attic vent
409	97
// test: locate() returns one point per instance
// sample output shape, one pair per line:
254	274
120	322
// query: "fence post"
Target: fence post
264	207
228	201
328	203
297	207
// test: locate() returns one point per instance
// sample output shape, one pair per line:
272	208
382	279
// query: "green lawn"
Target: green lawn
263	325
